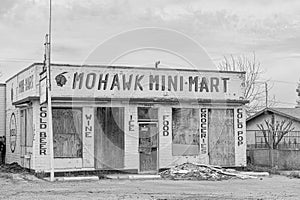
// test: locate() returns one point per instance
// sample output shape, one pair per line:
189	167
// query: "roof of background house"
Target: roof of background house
293	113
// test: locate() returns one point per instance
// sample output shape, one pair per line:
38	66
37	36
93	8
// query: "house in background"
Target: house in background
284	149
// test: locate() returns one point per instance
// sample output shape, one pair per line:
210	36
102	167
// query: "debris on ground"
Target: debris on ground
15	172
12	168
192	171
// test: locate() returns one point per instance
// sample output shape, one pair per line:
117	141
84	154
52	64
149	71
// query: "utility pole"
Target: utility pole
49	102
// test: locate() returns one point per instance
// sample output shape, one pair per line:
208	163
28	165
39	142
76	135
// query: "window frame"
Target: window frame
80	133
26	131
186	153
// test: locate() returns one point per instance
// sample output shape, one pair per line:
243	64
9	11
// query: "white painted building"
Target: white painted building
124	118
2	109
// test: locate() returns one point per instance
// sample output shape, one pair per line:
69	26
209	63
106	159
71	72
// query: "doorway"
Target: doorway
148	147
221	142
148	139
109	138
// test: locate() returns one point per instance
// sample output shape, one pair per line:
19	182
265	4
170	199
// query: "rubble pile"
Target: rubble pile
190	171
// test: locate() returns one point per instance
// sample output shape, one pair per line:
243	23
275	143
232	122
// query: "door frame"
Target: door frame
210	146
157	151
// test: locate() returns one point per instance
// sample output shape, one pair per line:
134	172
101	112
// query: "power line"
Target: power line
276	81
18	60
283	102
287	82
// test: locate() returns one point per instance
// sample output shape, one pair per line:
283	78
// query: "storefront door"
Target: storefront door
148	147
221	137
109	138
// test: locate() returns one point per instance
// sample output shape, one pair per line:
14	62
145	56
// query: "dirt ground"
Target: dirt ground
274	187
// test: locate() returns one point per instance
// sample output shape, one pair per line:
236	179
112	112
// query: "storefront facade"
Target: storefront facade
126	118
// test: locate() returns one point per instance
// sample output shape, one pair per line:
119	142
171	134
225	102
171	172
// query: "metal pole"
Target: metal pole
49	102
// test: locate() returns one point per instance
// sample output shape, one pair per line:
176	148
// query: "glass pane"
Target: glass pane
147	113
185	131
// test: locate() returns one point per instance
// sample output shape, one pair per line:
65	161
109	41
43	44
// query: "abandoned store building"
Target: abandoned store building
126	118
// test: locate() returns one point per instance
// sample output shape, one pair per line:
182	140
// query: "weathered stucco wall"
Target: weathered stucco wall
19	87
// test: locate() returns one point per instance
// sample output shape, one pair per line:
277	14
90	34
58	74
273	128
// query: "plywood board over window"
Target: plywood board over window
109	138
67	132
221	137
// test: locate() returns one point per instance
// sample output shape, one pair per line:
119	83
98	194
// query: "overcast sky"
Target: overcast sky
270	28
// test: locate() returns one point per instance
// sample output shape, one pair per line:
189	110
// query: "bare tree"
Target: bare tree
298	93
277	130
255	91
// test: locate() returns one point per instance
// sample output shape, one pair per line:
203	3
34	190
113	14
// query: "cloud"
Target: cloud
250	20
271	28
294	55
250	17
6	6
231	25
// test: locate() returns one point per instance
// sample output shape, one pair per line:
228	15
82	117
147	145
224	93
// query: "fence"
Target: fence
257	139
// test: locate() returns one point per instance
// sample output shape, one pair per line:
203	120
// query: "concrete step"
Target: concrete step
133	176
108	176
74	178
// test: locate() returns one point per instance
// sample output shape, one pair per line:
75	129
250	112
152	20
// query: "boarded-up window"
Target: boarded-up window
185	131
26	127
67	132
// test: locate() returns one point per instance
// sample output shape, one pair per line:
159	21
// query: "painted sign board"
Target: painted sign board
23	85
43	134
240	136
204	133
113	82
88	137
